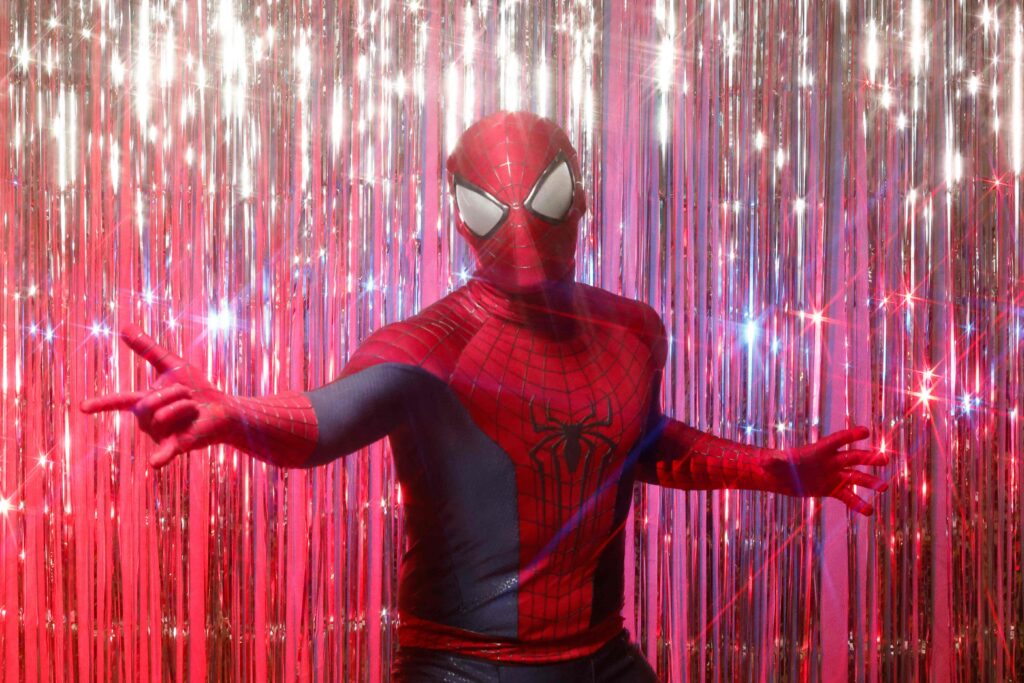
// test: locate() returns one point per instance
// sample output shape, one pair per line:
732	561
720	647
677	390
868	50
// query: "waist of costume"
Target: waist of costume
618	660
414	632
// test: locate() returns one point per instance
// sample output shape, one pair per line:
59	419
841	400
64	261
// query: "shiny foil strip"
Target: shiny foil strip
823	200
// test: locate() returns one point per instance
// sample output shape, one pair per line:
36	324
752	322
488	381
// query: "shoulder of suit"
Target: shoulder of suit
636	315
432	339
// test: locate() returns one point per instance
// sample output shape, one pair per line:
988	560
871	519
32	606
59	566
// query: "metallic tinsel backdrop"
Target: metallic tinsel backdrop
823	198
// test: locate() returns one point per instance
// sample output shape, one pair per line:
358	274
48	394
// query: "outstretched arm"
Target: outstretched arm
184	411
687	458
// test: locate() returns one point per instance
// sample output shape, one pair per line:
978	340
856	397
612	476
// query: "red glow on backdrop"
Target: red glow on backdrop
823	200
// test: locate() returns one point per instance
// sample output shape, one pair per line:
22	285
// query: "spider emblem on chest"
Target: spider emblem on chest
573	441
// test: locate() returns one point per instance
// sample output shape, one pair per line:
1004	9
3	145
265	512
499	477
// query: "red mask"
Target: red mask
518	197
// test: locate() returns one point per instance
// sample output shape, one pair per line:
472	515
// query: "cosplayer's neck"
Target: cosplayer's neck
549	306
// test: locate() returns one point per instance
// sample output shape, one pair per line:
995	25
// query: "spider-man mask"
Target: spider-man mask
519	199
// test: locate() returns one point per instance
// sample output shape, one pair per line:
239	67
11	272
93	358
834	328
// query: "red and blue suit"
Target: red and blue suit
521	409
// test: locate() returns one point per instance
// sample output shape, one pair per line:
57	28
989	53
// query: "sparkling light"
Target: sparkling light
543	85
918	39
666	63
143	71
871	50
954	167
220	320
24	57
988	17
885	99
116	69
167	57
750	331
924	394
1017	98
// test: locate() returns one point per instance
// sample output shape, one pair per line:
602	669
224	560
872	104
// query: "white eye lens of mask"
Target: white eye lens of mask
479	212
552	195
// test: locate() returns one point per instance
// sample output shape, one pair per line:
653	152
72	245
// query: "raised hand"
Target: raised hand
821	469
182	410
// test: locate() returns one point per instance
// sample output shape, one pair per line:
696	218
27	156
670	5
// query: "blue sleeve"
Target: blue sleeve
359	409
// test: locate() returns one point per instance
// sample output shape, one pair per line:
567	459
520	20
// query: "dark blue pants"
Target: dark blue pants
618	661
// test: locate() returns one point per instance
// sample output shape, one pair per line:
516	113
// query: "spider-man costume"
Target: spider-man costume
521	408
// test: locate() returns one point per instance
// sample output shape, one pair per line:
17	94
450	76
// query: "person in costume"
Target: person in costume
520	408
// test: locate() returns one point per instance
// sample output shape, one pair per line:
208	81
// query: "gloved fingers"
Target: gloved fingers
837	440
853	501
165	453
174	444
173	417
866	480
158	399
122	401
862	457
141	343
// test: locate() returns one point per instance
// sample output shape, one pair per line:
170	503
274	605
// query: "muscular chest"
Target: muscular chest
569	405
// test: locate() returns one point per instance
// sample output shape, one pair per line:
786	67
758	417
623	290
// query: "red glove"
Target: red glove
184	411
687	458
